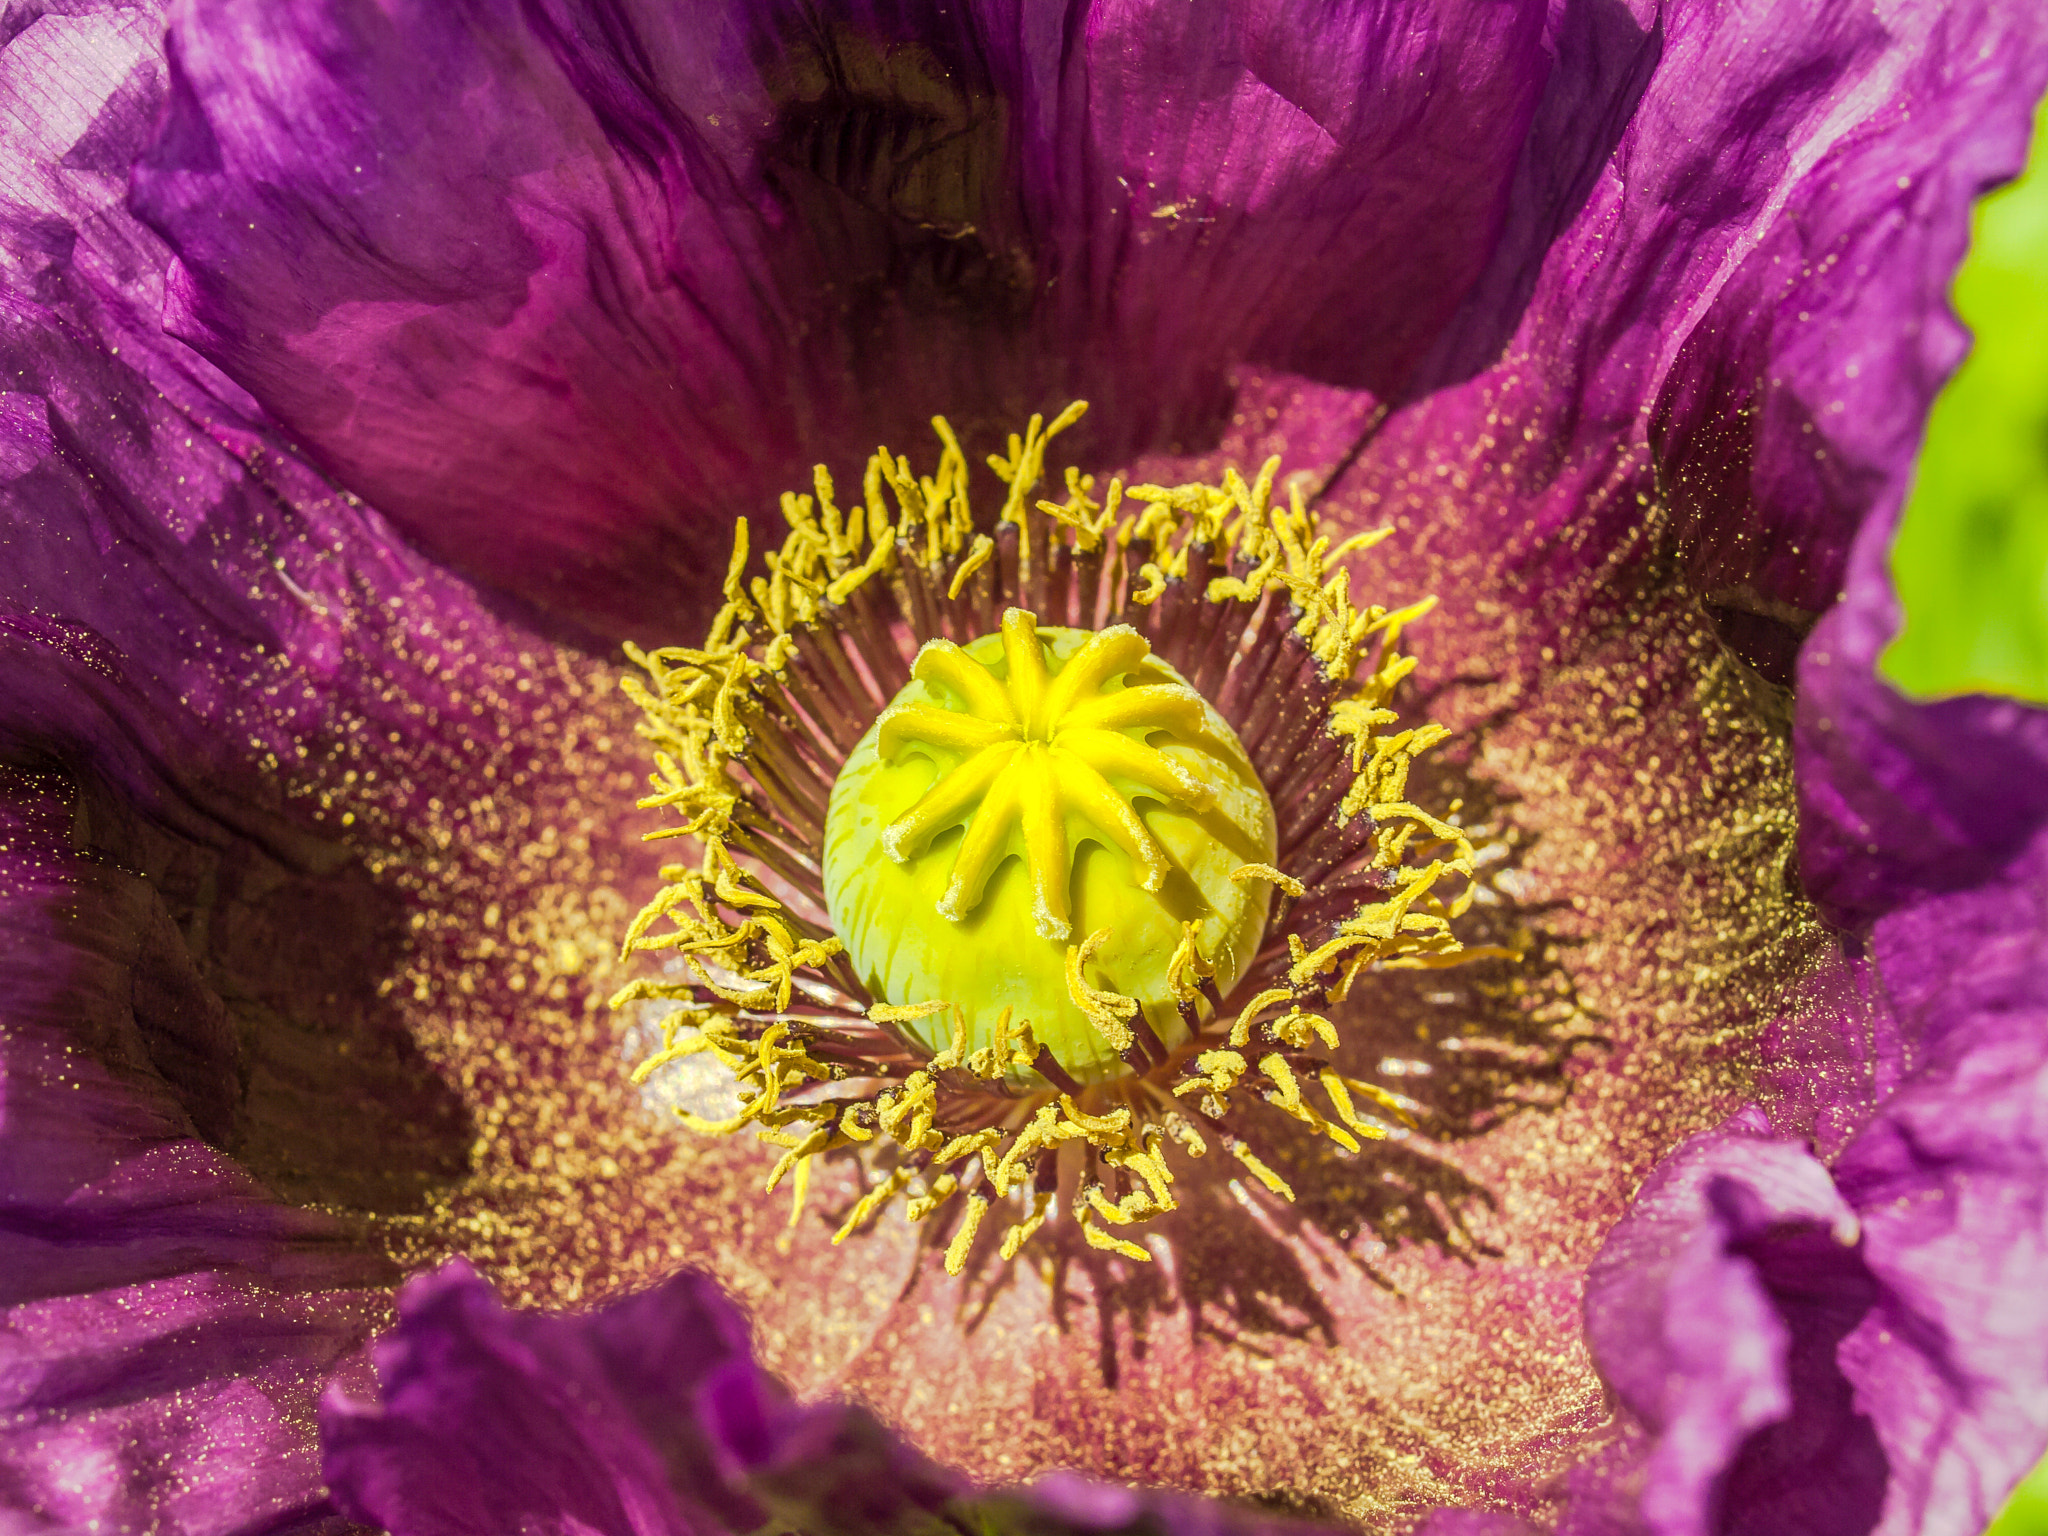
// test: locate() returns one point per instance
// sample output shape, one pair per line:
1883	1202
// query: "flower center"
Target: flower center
906	821
1030	786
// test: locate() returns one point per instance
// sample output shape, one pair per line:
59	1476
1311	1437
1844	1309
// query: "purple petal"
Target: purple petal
1062	1504
1801	384
1922	826
1901	800
609	275
650	1417
192	623
1474	1522
1787	1382
1951	1182
1743	325
491	1420
410	238
1713	1309
167	1325
1270	185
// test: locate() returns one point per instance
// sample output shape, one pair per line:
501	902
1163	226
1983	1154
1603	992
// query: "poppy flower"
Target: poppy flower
376	373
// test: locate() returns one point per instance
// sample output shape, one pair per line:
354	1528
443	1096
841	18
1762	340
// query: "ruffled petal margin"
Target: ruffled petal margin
650	1417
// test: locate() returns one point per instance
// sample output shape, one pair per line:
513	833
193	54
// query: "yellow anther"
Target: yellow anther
956	1050
963	1240
1338	1090
1150	1165
906	1013
1109	1012
983	551
907	1113
873	1201
1219	1072
943	1188
1096	1127
967	1146
1297	1029
1090	521
1241	1031
1287	1097
1040	1134
1259	1170
1267	872
852	1123
736	567
1022	1232
799	1155
1009	1049
799	1187
1110	1211
1097	1238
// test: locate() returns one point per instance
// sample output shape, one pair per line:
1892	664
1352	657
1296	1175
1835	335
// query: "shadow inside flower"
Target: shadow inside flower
258	1002
1464	1049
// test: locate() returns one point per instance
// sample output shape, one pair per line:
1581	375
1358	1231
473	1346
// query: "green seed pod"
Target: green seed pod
1043	827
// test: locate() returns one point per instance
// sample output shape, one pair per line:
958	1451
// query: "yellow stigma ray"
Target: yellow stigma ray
1025	763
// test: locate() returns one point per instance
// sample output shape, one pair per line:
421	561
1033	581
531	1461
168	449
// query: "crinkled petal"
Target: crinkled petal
650	1416
611	275
1902	800
194	618
194	628
1275	186
1061	1504
1808	347
1784	1381
167	1323
1474	1522
1714	1310
410	237
191	613
1950	1180
1745	323
486	1420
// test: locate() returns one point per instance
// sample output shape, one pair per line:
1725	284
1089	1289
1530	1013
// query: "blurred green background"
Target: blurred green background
2027	1513
1971	559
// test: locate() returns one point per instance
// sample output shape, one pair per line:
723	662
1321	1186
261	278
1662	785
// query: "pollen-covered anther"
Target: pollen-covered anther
1029	843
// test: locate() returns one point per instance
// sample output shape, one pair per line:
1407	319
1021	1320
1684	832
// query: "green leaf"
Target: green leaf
1971	558
2026	1512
